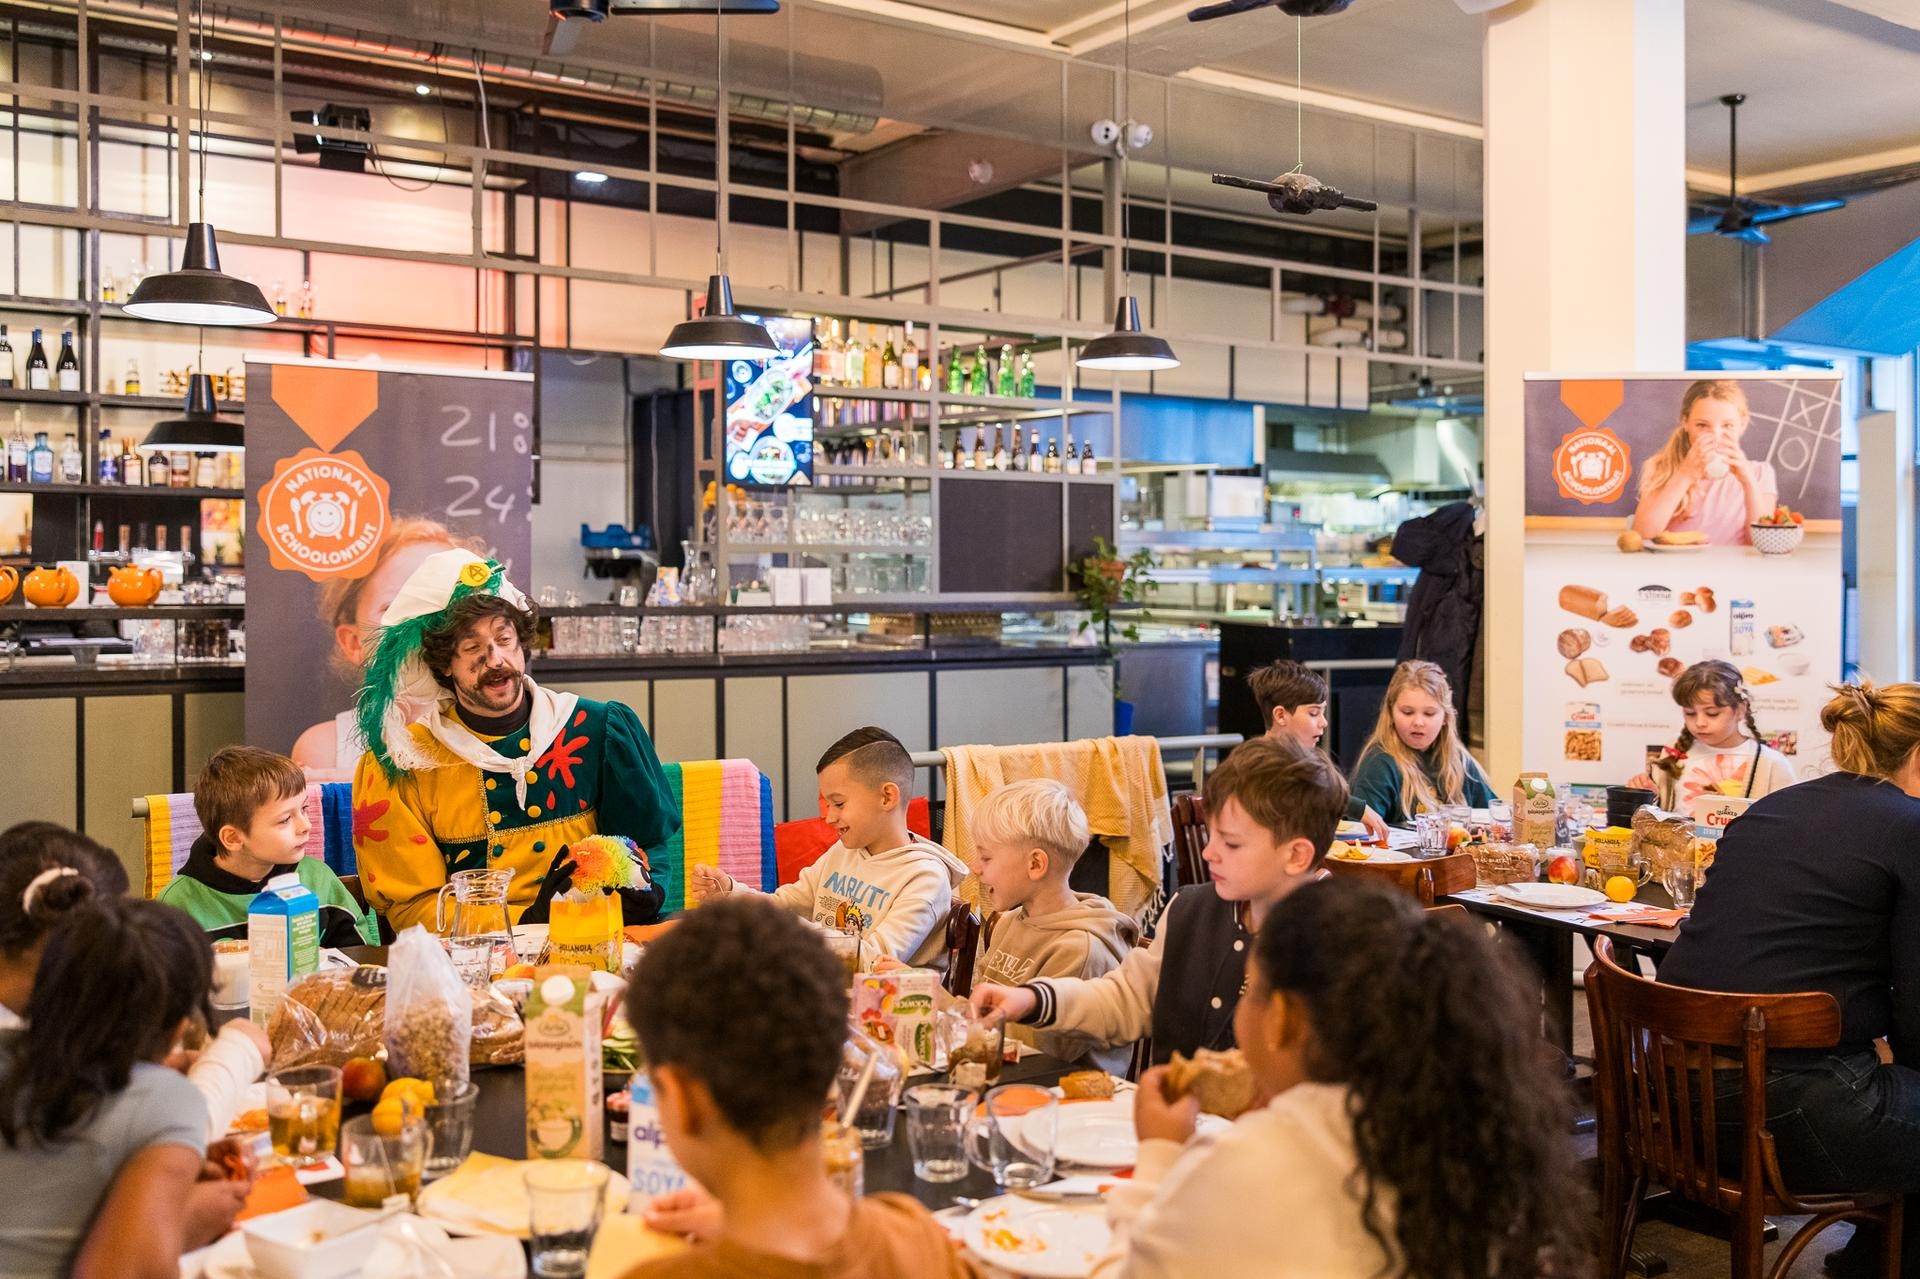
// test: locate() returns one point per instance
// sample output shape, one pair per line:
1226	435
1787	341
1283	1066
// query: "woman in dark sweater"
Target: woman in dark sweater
1817	887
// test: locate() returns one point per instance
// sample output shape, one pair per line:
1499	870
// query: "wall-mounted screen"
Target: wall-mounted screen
770	409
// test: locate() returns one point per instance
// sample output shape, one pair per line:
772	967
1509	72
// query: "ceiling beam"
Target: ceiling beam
1378	112
1818	171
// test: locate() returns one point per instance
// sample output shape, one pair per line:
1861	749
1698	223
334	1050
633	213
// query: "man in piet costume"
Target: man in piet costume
474	766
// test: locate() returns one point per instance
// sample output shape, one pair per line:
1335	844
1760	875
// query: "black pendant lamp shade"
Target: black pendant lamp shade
199	293
1127	349
201	430
719	334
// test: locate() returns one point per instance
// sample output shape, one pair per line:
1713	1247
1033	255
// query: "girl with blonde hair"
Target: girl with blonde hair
1816	888
1415	758
1703	481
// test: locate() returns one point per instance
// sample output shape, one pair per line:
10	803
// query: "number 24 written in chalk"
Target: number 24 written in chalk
499	499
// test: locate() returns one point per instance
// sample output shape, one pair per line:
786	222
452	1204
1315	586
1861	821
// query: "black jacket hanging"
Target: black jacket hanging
1443	613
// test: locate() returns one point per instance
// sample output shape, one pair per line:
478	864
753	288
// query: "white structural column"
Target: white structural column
1585	200
1884	537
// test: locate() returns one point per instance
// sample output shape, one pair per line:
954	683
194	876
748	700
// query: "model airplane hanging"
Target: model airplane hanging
1298	193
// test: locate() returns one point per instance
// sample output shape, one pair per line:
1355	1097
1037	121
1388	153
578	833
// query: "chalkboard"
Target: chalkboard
354	474
1089	515
1001	536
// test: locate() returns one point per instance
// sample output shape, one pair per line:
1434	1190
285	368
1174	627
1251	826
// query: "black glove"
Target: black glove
559	879
637	905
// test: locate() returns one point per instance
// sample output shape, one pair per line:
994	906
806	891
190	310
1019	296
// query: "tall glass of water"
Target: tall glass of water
1015	1134
565	1199
937	1119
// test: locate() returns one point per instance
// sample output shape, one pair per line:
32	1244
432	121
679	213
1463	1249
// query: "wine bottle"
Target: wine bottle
67	371
1000	459
1034	463
306	299
17	451
979	448
890	365
910	362
856	363
977	377
6	359
39	372
133	472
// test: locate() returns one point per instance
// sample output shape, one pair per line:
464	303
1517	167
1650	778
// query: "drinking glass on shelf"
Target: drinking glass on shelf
303	1113
565	1200
937	1119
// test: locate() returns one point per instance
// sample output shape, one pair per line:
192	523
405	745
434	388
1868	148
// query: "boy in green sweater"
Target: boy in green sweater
252	806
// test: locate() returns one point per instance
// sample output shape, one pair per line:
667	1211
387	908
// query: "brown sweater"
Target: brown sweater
888	1237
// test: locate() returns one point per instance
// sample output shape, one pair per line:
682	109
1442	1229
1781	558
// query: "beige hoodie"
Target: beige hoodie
1084	940
906	892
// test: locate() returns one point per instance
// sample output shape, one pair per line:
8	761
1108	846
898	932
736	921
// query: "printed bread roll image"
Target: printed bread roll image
1574	641
1585	601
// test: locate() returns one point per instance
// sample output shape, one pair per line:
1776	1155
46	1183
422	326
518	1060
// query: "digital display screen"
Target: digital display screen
770	409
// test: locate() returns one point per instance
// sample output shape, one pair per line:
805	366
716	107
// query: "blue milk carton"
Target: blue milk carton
283	942
651	1168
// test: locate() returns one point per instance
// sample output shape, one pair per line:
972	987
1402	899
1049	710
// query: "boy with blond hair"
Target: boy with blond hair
1027	837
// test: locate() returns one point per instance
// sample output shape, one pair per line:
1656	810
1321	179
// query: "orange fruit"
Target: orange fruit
1620	889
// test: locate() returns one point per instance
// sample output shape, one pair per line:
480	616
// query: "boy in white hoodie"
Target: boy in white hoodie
1027	836
902	884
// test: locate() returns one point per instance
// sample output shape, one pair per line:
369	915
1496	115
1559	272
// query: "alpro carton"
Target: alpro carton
897	1008
565	1107
283	942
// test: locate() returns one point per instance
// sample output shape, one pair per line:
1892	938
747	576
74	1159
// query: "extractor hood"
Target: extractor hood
1344	470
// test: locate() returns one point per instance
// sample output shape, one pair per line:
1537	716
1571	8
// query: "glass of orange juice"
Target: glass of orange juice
303	1113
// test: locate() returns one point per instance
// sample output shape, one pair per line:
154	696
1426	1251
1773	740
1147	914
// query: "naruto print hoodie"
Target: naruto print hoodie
905	893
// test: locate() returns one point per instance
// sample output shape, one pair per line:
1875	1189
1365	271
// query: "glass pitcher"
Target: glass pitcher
479	911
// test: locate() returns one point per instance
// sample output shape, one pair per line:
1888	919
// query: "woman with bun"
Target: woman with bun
1817	887
1405	1120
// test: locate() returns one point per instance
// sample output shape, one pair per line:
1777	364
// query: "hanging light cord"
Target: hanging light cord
1299	96
206	97
1126	115
721	158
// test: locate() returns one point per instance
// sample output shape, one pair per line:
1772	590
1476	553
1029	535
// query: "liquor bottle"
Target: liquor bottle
890	365
188	551
206	471
126	540
106	462
1034	461
1088	466
958	461
72	466
160	535
130	282
1000	459
279	298
142	537
40	460
133	471
1053	457
159	476
109	287
874	362
306	299
979	449
67	372
6	359
1008	372
39	372
823	354
131	384
978	376
855	373
1026	386
959	373
910	362
180	470
17	452
99	538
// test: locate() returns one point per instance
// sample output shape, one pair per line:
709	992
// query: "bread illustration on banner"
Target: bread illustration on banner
1585	601
1574	641
1755	676
1671	666
1620	618
1586	670
1784	636
1681	618
1679	539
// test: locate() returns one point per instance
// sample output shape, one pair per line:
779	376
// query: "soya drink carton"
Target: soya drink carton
651	1168
565	1107
283	942
897	1008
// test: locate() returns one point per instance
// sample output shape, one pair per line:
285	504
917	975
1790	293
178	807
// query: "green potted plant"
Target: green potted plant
1105	583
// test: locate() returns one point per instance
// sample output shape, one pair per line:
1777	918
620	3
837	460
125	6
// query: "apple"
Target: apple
362	1079
1456	836
1564	869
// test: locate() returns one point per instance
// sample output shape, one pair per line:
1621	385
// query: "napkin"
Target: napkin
488	1195
624	1242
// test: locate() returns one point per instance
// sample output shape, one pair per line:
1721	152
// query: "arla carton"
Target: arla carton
1535	812
565	1107
283	942
897	1008
652	1170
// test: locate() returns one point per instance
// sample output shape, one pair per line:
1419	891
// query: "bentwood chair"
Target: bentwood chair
1190	840
1424	880
963	945
1656	1051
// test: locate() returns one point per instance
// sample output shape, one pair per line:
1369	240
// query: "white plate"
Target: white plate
1043	1240
1549	896
1675	550
1378	855
1099	1134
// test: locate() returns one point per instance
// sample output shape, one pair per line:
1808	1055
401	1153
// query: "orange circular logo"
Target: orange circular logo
323	514
1591	465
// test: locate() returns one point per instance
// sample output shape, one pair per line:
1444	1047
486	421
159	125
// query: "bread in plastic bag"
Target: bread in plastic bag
429	1026
499	1036
329	1017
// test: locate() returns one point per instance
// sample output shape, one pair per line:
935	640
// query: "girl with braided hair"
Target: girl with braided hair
1719	750
1406	1123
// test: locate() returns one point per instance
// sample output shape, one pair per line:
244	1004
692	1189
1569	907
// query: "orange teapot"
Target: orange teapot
134	586
9	579
51	587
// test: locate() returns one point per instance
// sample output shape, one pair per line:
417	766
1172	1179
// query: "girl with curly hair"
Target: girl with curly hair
1719	750
1411	1127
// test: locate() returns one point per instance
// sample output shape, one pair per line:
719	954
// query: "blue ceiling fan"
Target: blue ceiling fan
1742	217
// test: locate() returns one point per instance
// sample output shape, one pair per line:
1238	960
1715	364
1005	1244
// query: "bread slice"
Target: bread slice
1221	1080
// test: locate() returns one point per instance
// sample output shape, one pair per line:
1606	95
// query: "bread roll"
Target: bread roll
1082	1084
1574	641
1221	1080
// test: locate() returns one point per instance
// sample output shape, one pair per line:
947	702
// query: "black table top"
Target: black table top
1640	936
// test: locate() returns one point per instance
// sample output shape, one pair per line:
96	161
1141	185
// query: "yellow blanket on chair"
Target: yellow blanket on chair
1118	780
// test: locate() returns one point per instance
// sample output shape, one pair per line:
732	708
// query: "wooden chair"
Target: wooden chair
1656	1049
963	945
1190	840
1424	880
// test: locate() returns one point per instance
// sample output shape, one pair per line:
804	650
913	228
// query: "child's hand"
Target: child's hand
887	964
708	882
692	1213
211	1208
1154	1117
1643	782
245	1029
1376	824
1013	1003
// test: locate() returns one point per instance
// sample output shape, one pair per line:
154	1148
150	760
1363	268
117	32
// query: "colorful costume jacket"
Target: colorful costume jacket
600	776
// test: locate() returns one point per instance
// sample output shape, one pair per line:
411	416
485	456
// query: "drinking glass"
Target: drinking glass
846	948
303	1113
878	1109
379	1166
449	1128
975	1044
937	1119
565	1200
1015	1134
1682	881
846	1161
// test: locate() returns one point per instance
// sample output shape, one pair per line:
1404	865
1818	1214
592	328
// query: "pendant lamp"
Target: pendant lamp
1126	349
200	430
199	292
719	334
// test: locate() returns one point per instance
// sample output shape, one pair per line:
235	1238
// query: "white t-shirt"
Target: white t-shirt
1747	771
